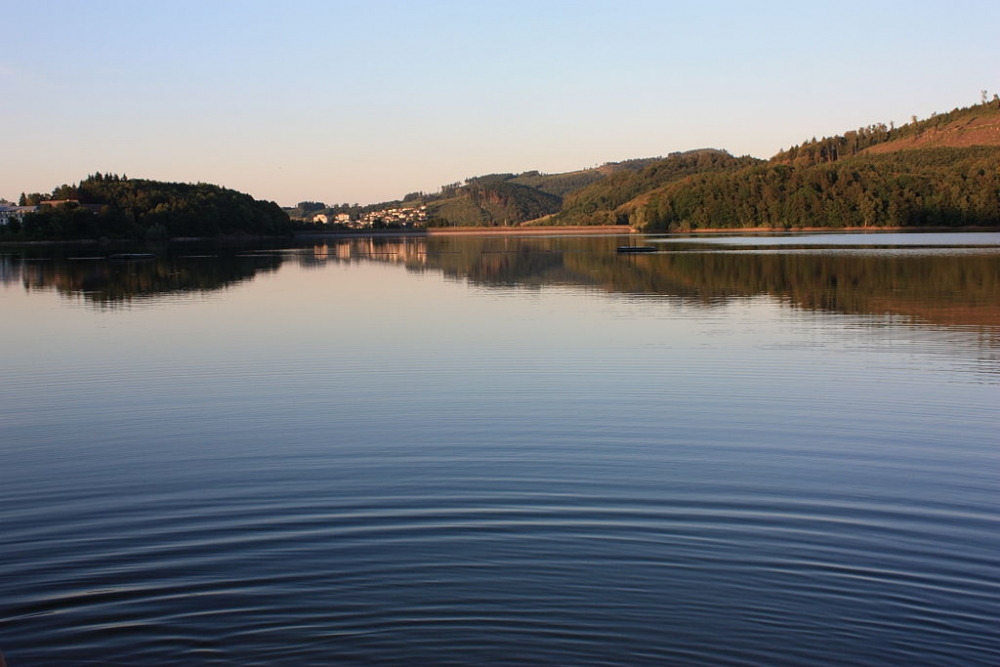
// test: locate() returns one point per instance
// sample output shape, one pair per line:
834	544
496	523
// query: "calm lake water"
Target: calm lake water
503	450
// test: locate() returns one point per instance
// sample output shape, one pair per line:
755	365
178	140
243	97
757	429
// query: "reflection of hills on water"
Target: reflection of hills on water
109	282
948	287
487	260
951	288
526	262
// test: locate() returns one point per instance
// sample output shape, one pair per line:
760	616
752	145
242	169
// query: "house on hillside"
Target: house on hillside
9	211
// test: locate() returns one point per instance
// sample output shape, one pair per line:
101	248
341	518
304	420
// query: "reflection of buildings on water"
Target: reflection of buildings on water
38	275
10	269
409	251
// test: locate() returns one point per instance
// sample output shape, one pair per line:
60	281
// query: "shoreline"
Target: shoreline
474	231
553	230
620	230
851	230
539	229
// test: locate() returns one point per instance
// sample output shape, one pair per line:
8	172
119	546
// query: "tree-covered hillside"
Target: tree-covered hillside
933	186
491	200
602	202
943	171
565	183
109	206
558	184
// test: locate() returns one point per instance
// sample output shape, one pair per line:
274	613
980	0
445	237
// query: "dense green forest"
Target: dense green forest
931	186
943	171
599	202
114	207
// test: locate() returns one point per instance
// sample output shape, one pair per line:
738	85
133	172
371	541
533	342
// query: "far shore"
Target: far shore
618	230
534	230
472	231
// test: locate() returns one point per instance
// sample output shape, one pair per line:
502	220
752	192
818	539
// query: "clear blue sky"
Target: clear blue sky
343	101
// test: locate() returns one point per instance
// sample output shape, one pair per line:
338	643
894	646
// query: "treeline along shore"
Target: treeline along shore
117	207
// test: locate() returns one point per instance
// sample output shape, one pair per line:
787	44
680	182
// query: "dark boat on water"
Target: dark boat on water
131	256
636	248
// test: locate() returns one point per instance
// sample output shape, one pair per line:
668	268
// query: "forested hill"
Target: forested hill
941	187
510	199
109	206
562	184
606	202
943	171
491	200
940	171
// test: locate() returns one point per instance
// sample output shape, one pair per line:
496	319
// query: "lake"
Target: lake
499	450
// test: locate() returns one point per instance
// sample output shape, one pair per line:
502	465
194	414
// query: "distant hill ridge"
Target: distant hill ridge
936	171
943	171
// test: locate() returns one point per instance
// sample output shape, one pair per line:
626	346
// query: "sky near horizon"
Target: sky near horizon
346	101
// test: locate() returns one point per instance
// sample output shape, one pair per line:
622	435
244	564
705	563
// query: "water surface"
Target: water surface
501	451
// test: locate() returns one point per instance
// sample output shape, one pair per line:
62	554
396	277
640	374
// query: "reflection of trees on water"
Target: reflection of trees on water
109	282
946	288
950	287
487	260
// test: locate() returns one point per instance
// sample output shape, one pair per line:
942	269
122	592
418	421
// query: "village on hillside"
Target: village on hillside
391	217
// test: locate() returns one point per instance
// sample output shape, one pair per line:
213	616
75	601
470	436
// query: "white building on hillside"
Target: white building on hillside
8	211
